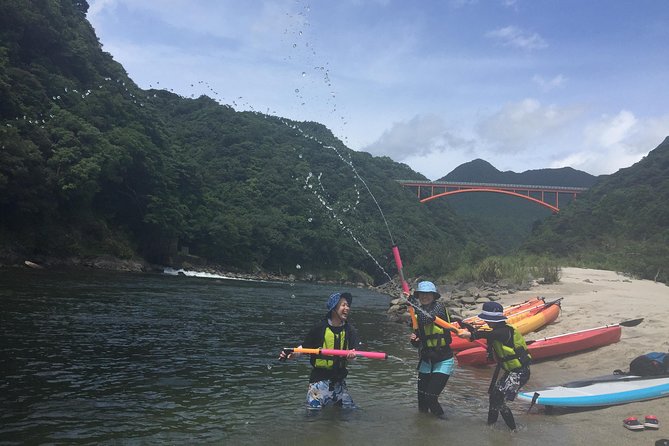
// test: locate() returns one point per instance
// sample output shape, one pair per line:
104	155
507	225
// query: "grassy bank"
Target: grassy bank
519	269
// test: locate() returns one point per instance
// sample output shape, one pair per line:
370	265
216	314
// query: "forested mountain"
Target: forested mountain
91	164
621	223
507	221
481	171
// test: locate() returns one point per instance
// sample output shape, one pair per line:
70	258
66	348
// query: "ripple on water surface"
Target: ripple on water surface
107	358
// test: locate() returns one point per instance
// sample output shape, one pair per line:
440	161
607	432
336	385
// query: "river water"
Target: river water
112	358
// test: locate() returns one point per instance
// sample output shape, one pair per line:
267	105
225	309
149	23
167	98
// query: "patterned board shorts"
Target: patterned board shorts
324	393
511	383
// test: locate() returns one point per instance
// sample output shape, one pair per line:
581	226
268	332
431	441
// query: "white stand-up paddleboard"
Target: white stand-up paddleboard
601	391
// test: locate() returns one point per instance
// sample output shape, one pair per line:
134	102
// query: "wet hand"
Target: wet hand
351	354
414	337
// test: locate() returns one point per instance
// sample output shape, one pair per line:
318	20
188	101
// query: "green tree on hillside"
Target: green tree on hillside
622	223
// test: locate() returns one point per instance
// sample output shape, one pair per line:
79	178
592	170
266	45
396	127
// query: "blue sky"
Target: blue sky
522	84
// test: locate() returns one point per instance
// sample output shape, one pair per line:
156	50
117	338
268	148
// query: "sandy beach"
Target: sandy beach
593	298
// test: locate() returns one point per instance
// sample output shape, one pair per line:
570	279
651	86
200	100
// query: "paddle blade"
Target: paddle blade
535	397
631	323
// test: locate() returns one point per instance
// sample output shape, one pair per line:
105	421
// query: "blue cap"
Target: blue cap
334	299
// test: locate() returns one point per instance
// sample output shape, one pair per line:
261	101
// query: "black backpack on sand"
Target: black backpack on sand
650	364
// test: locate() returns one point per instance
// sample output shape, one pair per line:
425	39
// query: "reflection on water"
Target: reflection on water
126	358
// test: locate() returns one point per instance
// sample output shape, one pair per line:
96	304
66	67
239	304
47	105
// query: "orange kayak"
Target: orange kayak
525	321
541	318
511	309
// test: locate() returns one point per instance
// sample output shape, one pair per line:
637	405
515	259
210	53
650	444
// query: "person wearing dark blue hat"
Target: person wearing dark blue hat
509	349
327	381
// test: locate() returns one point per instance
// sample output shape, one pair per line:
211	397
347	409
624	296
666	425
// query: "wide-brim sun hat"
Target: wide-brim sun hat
492	312
334	299
428	287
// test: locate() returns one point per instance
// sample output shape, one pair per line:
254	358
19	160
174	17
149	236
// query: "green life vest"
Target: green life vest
512	358
332	341
433	336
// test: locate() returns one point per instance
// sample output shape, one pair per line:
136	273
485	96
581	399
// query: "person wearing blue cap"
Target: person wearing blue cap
327	381
509	349
436	357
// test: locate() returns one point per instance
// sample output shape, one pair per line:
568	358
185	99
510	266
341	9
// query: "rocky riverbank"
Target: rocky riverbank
461	299
95	262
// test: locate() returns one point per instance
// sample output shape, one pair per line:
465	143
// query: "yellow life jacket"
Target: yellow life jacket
331	341
512	358
433	336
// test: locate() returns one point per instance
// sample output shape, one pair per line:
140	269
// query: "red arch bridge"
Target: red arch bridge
547	196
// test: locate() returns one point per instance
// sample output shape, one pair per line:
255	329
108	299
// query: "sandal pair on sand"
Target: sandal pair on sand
649	422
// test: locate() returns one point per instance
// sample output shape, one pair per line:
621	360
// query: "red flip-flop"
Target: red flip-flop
651	422
632	424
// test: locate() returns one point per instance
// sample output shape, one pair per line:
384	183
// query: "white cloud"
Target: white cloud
420	136
610	130
549	84
518	125
517	38
363	67
573	159
96	7
613	142
598	162
653	131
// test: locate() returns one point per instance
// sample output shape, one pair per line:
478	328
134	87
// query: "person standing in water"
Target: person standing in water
327	381
510	351
436	357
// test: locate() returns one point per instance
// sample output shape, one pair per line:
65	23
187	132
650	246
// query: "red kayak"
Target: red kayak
552	346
